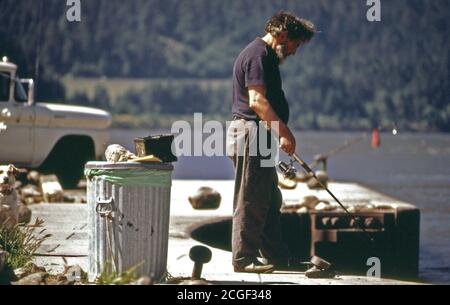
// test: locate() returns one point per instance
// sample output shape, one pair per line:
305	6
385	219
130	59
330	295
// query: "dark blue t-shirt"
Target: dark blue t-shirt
258	64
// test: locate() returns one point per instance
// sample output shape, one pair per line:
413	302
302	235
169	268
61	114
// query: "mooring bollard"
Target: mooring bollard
200	255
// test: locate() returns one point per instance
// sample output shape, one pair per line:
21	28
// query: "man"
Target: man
258	97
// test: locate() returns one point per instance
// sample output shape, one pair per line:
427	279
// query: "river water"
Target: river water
413	167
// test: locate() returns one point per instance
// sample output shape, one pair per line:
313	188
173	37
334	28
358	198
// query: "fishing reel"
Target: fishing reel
288	169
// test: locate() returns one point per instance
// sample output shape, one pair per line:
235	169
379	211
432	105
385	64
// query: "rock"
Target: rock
69	199
143	281
287	184
302	177
29	268
30	190
302	210
75	273
352	209
314	184
62	280
323	176
205	199
360	207
24	214
117	153
35	268
369	207
30	201
51	188
34	178
31	194
194	282
33	279
21	272
324	206
310	202
65	283
179	234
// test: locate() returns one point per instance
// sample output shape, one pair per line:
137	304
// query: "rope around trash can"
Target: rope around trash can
108	214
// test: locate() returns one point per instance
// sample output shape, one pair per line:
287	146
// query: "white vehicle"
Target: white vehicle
51	138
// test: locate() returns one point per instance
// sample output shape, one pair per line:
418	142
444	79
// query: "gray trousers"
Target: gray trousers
257	202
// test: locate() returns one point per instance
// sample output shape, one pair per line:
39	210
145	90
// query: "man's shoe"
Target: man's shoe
255	267
317	273
290	264
321	269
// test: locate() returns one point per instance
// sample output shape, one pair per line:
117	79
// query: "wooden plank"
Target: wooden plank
64	247
68	225
60	207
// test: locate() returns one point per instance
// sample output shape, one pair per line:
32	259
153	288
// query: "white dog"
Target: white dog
9	210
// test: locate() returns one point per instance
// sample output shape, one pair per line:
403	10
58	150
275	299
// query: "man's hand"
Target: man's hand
287	142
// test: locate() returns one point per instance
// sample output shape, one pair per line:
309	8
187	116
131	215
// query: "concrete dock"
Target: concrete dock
68	225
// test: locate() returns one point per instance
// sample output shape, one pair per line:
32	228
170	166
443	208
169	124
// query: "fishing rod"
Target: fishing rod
289	170
322	158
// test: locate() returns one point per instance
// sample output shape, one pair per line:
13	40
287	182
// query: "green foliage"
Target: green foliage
110	277
355	72
22	242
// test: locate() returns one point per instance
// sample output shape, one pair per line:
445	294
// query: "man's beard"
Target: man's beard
281	53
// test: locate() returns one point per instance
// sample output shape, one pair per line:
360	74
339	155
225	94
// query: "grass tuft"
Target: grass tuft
109	277
22	242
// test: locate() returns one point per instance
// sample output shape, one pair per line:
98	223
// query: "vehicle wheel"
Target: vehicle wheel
70	173
68	160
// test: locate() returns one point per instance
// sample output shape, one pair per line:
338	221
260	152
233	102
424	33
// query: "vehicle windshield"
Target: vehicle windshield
4	86
20	94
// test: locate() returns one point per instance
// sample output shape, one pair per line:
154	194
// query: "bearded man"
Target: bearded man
259	100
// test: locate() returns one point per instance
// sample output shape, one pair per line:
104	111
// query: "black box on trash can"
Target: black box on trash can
159	146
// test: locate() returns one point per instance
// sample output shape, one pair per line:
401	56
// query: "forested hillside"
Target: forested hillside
353	74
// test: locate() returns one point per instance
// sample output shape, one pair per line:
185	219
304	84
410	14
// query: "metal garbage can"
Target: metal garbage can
128	211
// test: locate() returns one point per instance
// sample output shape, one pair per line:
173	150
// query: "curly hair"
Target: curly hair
296	28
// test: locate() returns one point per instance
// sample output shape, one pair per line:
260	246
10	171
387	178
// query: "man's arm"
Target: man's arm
261	106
